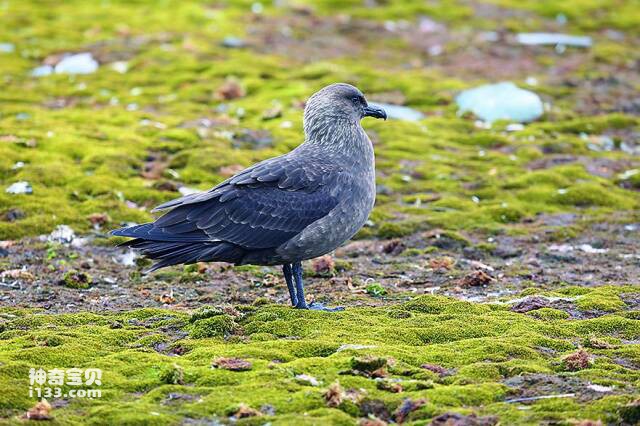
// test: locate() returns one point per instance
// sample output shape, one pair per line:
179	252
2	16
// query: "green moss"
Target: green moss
479	345
395	230
173	375
216	326
375	289
602	299
76	279
205	311
549	314
368	363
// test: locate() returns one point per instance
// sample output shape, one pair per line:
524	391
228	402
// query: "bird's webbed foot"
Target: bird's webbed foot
316	306
299	293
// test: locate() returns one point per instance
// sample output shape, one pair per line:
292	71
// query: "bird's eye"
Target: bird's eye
357	100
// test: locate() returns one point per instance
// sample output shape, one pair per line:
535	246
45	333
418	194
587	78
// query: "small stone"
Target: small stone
393	247
7	47
12	215
588	248
232	364
17	274
442	263
21	187
323	265
63	234
167	298
440	371
80	63
476	279
530	303
268	410
245	411
127	258
40	411
98	219
273	112
554	39
307	379
406	408
120	67
595	343
388	386
42	71
600	388
233	42
502	101
230	89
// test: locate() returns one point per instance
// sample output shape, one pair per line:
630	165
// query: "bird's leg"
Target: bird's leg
297	275
302	304
288	277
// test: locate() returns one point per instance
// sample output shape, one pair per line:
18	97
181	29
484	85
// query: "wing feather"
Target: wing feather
261	207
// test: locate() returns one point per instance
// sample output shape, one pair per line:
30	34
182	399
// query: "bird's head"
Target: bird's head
339	101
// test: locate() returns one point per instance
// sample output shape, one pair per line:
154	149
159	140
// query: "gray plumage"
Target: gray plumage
283	210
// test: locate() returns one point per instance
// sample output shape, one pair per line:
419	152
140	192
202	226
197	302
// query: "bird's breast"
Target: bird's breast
356	195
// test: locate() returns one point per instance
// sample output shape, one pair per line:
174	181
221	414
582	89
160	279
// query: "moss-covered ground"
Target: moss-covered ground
188	92
159	365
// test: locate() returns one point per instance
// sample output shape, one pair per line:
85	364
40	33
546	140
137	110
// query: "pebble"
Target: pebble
536	39
42	71
127	258
305	378
233	42
120	66
7	47
63	234
501	101
80	63
21	187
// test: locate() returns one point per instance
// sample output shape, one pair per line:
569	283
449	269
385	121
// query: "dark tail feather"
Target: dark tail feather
148	231
175	250
170	253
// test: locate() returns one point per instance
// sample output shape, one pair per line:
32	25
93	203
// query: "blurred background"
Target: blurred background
508	119
110	107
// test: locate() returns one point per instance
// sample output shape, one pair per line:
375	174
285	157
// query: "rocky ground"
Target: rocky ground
496	282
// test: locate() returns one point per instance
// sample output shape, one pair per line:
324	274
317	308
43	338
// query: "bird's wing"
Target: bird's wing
261	207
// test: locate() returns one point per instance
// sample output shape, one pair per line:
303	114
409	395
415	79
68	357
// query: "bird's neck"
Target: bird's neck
342	138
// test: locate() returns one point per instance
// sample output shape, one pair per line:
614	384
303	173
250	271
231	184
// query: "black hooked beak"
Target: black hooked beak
375	112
